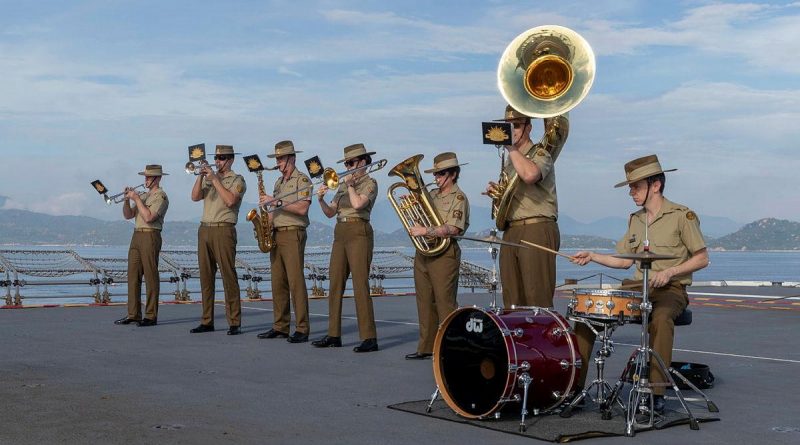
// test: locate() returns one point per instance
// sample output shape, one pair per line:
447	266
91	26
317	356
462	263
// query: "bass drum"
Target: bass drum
482	357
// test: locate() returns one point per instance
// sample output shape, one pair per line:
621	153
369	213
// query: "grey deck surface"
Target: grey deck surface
69	375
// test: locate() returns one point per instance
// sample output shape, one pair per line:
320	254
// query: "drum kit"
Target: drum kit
486	359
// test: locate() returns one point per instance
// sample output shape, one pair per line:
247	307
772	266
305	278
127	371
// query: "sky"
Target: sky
97	89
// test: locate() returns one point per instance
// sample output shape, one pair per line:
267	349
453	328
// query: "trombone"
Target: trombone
195	169
120	197
332	180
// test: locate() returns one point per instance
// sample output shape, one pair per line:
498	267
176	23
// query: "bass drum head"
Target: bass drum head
471	362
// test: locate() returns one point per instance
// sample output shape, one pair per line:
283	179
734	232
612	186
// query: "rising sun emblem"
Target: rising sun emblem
314	168
496	134
253	164
197	153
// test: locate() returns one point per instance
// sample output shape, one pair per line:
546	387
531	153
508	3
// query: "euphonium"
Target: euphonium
544	72
262	226
415	207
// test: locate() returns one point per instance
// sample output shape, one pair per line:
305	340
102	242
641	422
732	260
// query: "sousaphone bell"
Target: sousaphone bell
546	71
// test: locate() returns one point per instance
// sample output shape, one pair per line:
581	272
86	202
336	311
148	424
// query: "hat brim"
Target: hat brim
286	154
512	119
434	170
145	174
631	181
369	153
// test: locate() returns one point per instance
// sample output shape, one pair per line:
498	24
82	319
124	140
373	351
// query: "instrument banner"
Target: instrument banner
496	133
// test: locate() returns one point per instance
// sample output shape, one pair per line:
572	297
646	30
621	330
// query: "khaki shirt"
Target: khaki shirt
453	207
157	202
214	208
674	231
539	199
297	180
365	186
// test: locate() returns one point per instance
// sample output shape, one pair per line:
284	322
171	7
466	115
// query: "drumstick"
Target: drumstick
546	249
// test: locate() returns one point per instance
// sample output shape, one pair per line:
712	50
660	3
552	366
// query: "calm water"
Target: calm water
728	266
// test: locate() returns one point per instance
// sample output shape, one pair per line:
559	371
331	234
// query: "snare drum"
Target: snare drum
606	305
482	357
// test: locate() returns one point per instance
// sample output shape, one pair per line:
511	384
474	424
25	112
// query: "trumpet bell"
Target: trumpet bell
546	71
330	178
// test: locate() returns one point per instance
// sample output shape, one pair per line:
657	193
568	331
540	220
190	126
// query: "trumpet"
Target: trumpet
195	169
120	197
331	179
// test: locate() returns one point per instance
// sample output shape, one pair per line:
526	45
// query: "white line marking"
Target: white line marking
760	297
754	357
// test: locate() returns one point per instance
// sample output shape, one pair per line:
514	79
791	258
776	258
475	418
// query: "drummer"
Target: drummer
674	230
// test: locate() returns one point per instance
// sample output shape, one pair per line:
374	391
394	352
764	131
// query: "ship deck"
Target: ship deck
69	375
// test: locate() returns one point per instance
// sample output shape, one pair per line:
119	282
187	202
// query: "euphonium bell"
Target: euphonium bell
546	71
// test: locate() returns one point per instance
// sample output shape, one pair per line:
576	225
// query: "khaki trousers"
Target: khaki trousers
436	283
143	261
287	259
668	302
351	253
529	275
216	249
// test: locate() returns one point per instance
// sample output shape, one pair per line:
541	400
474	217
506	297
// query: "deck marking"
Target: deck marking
760	297
755	357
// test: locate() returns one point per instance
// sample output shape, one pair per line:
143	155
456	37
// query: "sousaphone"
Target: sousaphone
544	72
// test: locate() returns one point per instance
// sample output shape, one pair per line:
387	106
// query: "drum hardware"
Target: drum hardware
516	332
641	396
492	240
603	388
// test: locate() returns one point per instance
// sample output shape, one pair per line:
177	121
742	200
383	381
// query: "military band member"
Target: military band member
529	275
673	229
436	278
221	193
149	209
352	249
287	257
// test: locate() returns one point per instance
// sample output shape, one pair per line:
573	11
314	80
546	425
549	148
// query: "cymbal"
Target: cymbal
647	256
491	239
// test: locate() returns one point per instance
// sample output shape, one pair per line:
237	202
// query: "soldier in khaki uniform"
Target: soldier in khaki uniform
287	257
673	230
436	278
221	193
529	275
149	210
352	249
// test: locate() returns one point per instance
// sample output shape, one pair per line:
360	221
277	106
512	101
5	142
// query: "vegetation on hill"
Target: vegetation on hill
764	234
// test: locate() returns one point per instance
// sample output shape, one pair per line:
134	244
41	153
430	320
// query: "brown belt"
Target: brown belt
147	229
534	220
351	219
220	224
287	228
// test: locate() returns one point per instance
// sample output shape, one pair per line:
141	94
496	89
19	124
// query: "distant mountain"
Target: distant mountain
764	234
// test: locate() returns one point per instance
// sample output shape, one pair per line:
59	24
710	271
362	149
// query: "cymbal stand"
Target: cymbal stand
603	387
493	285
640	398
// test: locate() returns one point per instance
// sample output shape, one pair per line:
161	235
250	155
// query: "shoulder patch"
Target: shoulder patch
460	197
305	179
239	188
691	216
458	214
541	152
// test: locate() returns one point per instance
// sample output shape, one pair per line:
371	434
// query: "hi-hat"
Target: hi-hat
647	256
491	239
